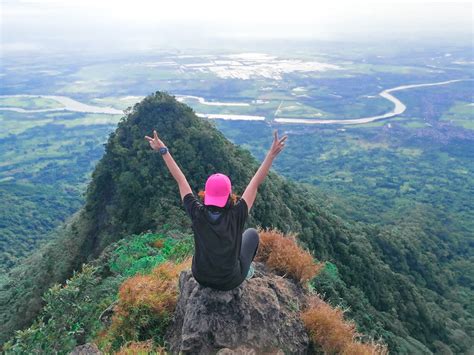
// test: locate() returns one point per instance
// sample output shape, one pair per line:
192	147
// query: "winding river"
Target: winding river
386	94
203	101
76	106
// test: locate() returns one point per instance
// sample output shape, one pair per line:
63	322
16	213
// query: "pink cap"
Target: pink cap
218	189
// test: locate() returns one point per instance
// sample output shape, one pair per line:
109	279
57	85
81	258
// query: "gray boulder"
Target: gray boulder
260	316
86	349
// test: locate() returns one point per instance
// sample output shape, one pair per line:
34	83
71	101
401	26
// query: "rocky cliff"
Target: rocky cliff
261	314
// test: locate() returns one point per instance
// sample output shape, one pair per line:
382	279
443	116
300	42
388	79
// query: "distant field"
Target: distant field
17	123
90	120
379	165
393	69
44	169
29	103
12	126
461	114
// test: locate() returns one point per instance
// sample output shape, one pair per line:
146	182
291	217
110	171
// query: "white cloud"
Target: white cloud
144	20
250	11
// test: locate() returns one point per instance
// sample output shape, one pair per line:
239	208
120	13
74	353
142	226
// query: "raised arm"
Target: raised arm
174	169
251	191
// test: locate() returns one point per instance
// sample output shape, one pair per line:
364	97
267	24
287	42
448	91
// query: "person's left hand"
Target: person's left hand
155	142
277	145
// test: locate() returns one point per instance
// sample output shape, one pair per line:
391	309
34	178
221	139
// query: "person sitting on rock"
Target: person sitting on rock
223	251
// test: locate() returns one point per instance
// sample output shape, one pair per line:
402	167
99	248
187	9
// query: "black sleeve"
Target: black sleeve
191	204
241	211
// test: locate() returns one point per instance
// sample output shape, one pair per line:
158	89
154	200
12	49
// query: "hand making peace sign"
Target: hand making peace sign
155	142
277	145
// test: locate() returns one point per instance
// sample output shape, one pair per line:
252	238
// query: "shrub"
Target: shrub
356	348
70	312
145	305
283	254
141	253
326	327
136	255
159	243
140	348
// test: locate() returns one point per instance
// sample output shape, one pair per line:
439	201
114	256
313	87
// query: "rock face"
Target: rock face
86	349
262	314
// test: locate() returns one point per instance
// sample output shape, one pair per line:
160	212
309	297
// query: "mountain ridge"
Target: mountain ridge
131	192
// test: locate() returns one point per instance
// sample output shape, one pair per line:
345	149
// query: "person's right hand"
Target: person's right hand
277	145
155	142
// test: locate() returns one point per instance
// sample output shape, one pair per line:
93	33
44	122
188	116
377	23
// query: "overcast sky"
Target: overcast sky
42	23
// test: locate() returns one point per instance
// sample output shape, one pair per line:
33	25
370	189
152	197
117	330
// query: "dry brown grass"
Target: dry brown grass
140	348
283	254
373	348
145	303
328	328
159	243
157	290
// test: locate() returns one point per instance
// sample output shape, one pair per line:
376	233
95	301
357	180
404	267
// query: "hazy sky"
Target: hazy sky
42	23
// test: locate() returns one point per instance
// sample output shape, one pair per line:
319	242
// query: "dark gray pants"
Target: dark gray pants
250	242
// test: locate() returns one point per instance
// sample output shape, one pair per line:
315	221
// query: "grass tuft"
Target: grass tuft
327	327
145	306
140	348
283	254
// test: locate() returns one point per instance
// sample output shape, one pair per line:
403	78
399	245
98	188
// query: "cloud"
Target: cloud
88	21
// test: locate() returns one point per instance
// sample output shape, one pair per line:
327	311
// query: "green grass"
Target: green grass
393	69
468	124
411	152
142	253
90	119
14	123
380	123
413	123
294	109
29	103
460	114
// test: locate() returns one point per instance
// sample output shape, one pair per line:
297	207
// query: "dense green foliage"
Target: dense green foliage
71	313
29	214
68	312
43	172
143	253
388	276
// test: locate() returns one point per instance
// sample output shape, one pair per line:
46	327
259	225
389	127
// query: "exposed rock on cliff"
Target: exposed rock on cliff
262	315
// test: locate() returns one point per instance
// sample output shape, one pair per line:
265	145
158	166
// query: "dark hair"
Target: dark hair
231	201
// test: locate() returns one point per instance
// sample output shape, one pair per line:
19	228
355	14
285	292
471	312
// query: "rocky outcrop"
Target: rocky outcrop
106	316
260	316
86	349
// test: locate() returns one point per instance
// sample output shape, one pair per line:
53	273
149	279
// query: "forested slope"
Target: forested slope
397	293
